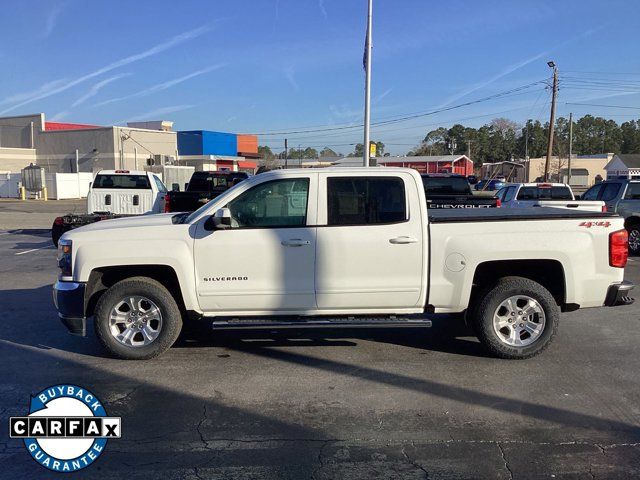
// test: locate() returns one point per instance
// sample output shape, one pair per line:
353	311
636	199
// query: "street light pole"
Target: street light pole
551	120
367	87
570	147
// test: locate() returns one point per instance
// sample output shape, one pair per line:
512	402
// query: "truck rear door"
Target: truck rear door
122	194
370	241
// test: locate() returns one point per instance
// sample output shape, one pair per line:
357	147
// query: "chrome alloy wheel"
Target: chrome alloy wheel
135	321
519	321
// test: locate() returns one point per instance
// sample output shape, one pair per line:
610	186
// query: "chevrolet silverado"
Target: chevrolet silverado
338	247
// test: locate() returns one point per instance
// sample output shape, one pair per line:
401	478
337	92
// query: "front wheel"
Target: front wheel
517	318
137	319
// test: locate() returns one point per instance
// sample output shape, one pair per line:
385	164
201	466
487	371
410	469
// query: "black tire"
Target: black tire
634	239
154	291
481	317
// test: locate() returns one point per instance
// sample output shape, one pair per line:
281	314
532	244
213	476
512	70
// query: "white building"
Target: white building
624	166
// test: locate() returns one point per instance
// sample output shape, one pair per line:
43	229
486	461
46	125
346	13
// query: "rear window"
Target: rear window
121	181
365	200
446	186
542	193
207	182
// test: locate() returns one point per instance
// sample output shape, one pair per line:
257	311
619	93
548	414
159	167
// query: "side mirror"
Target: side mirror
175	187
222	219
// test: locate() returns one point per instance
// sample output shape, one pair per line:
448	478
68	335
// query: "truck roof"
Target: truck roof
538	184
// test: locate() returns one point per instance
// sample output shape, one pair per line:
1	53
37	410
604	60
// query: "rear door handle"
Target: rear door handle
295	242
403	240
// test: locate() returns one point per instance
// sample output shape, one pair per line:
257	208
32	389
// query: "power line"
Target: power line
600	105
407	117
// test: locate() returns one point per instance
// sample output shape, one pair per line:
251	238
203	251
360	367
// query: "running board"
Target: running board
221	323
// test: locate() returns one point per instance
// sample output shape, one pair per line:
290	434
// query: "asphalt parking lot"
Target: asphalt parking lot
321	404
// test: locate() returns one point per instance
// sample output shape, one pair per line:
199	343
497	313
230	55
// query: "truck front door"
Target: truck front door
370	242
265	261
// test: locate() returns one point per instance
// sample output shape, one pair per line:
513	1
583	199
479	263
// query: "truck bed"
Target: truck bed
512	215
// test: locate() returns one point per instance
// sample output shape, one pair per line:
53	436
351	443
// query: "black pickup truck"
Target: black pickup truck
450	191
202	187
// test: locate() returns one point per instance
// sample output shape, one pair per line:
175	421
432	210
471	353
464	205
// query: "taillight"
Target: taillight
618	248
58	221
498	203
604	209
167	203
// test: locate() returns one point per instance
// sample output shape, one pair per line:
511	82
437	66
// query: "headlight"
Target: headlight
64	257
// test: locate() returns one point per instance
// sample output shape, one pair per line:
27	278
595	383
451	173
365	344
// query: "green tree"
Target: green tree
327	152
265	152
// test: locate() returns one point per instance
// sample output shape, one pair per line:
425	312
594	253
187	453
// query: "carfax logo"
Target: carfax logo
67	428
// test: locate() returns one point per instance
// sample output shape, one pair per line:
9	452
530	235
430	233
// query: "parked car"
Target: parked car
489	185
114	194
202	187
338	247
622	197
557	195
453	191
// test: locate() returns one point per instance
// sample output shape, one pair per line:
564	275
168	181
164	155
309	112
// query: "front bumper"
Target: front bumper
68	298
618	294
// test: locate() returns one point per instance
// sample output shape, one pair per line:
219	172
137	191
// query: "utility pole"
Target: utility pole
526	143
286	153
367	87
570	147
551	120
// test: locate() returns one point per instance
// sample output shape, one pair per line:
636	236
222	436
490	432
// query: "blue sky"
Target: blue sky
260	66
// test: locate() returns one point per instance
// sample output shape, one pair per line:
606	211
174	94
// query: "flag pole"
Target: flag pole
367	88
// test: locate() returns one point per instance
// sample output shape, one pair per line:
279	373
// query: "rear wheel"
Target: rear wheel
516	318
137	319
634	239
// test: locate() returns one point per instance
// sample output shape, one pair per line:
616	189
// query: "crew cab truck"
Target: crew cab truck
450	191
202	187
621	196
336	247
556	195
113	194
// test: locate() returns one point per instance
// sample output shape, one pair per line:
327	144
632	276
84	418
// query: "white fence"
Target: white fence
9	184
68	185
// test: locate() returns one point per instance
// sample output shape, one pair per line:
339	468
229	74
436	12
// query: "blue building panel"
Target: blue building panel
190	143
204	142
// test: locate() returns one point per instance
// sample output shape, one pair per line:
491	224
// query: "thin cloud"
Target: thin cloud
322	9
154	114
161	86
161	47
289	75
382	95
518	65
52	19
97	87
60	115
21	97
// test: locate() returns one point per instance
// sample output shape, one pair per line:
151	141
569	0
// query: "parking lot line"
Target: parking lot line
35	249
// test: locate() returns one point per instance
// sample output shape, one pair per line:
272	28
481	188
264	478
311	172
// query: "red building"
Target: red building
432	164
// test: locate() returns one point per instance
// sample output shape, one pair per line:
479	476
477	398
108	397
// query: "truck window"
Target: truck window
365	200
206	182
528	193
278	203
160	185
446	185
610	191
593	192
560	193
509	194
633	191
121	181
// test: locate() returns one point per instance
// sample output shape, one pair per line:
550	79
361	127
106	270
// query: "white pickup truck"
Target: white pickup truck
556	195
114	194
335	247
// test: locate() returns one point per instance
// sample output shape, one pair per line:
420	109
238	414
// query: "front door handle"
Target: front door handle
403	240
295	242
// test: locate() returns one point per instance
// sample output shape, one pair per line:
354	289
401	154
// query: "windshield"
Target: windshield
446	185
207	182
121	181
